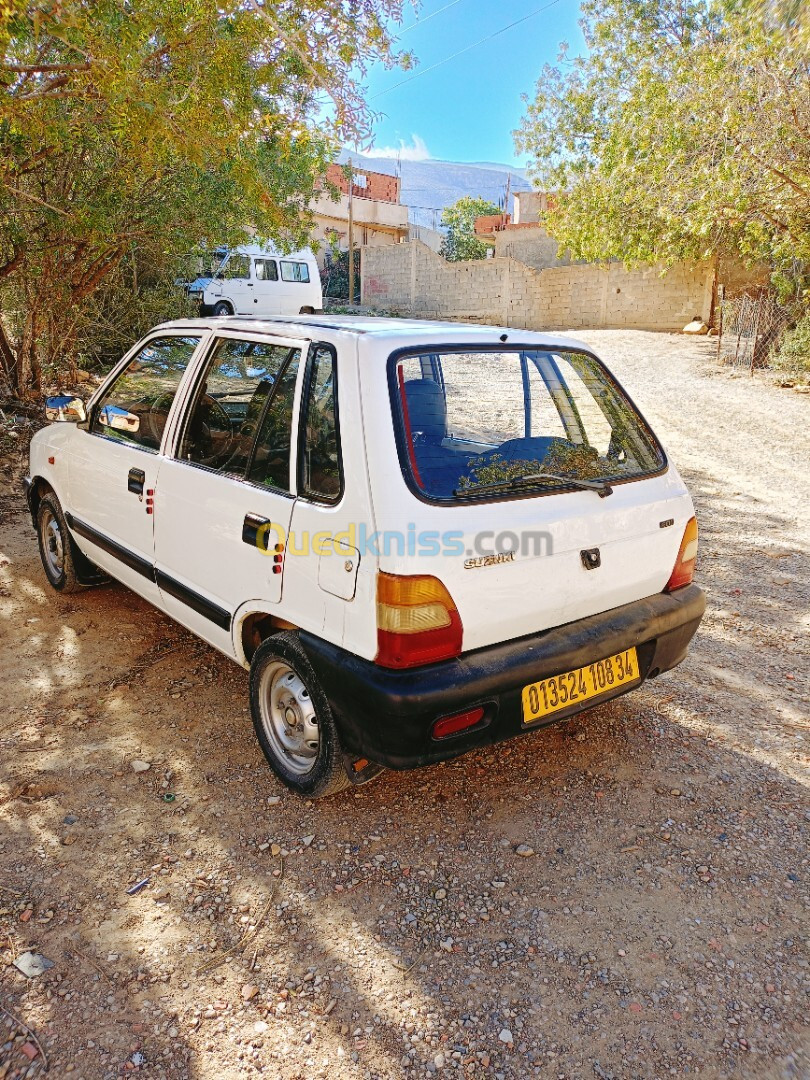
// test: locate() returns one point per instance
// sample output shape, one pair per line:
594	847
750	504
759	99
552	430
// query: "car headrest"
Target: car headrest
427	408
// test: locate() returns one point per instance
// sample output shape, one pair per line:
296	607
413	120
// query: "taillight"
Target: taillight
687	555
417	621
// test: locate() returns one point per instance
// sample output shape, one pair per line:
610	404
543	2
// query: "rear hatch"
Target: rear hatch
542	496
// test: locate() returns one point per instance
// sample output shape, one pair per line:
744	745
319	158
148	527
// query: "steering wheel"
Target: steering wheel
214	436
156	415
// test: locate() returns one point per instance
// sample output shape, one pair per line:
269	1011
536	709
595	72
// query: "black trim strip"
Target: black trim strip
129	558
200	604
206	608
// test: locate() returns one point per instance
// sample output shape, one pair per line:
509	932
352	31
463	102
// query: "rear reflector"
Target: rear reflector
451	725
684	569
417	621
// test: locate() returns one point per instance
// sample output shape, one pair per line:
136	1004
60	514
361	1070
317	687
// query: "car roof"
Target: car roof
404	331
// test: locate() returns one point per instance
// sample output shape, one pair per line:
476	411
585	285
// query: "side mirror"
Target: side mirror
118	419
65	407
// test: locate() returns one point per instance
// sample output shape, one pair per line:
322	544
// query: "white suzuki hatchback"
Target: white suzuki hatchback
419	537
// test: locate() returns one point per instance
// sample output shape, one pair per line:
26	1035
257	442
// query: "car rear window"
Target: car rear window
476	424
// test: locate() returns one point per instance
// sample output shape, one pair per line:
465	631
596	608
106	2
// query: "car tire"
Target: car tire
56	548
293	720
222	308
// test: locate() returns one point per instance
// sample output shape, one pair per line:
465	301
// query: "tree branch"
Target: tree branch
35	69
41	202
13	262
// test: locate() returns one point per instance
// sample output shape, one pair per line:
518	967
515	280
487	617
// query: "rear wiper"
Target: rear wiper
601	487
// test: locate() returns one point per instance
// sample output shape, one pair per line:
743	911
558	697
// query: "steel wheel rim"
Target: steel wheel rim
288	717
53	548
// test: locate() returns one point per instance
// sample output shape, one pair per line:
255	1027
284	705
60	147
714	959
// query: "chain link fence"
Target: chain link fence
750	329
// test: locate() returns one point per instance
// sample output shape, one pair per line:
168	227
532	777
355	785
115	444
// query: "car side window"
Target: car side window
266	269
238	266
294	271
135	408
319	456
270	464
229	402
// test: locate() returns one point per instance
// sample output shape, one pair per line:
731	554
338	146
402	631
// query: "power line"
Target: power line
461	52
427	18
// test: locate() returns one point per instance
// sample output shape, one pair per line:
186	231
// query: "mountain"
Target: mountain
427	187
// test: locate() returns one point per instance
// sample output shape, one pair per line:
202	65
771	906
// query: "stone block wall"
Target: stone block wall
414	281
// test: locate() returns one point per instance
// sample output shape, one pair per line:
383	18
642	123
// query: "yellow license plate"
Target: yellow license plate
561	691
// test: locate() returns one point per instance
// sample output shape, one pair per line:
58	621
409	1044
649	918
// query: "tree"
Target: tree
133	130
683	133
460	241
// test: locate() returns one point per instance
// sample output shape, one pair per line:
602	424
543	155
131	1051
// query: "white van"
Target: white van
261	281
419	537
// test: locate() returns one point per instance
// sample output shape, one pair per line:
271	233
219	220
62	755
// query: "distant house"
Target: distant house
379	217
522	236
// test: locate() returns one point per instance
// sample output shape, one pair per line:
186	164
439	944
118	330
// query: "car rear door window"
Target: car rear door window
319	457
229	403
270	463
135	407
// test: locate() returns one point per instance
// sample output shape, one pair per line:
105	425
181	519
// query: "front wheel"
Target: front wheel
293	720
222	308
56	546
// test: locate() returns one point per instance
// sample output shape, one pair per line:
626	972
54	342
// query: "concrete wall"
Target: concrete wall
413	280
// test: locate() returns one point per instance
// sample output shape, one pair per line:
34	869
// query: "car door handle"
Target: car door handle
256	531
135	481
250	284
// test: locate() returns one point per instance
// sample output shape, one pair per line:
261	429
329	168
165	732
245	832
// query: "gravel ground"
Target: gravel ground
656	928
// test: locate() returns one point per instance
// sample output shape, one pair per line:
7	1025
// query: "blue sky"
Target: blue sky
466	109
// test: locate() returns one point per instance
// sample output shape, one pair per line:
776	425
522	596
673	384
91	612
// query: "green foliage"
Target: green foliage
682	133
335	277
460	241
158	127
793	354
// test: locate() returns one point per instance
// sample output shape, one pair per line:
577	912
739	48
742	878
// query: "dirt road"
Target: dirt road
658	929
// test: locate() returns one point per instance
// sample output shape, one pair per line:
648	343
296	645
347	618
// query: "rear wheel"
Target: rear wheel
56	546
223	308
293	720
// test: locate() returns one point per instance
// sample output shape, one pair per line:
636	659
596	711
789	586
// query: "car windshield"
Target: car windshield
473	424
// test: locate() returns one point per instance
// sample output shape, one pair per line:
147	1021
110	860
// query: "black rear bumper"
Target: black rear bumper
387	716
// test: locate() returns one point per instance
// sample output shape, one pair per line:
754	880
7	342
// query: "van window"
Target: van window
229	403
136	407
319	459
476	423
294	271
266	270
238	266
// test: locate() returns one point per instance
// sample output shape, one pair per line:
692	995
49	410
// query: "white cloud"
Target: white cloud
417	151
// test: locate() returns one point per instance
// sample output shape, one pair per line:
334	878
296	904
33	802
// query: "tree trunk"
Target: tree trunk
20	361
9	360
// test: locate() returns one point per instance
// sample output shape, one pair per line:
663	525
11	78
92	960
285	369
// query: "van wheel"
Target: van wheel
307	309
223	308
56	546
293	720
